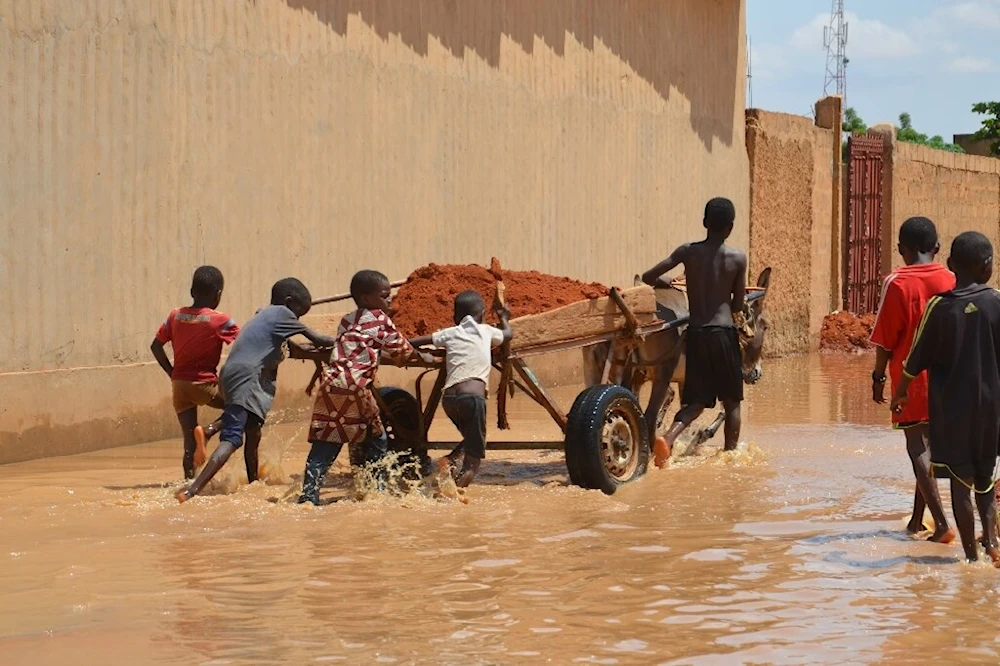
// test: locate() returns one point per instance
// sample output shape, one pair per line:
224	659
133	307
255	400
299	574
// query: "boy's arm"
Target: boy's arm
508	332
161	357
308	352
676	258
422	341
882	356
740	285
318	339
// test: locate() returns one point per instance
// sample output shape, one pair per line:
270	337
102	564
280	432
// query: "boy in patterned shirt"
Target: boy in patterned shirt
196	334
345	411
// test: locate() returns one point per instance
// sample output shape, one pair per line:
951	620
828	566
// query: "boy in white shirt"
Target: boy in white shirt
468	350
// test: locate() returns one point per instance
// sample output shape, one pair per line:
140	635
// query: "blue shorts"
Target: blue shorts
235	420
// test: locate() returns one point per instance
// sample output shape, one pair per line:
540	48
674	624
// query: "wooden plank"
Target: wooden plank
583	319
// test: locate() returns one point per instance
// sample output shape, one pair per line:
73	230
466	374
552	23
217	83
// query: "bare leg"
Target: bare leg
250	453
189	420
920	456
961	506
986	503
469	468
213	428
734	423
215	462
916	524
657	396
684	418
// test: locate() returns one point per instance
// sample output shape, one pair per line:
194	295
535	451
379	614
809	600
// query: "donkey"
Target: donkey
660	357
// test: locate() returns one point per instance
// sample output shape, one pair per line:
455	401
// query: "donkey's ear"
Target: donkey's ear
637	280
764	280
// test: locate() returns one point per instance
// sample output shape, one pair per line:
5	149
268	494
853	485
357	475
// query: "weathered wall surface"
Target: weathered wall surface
959	192
313	138
791	212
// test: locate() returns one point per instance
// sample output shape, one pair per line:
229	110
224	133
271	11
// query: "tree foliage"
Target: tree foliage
907	134
853	124
990	130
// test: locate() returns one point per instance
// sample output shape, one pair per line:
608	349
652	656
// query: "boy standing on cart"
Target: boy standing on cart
716	284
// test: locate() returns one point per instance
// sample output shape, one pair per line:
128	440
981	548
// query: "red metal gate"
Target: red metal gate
864	224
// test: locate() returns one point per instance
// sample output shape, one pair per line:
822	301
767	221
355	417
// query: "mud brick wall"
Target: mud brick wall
316	137
959	192
791	213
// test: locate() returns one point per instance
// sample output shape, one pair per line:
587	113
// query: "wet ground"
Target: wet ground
790	552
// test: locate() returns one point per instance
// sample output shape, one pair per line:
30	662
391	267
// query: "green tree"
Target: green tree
853	124
991	124
907	134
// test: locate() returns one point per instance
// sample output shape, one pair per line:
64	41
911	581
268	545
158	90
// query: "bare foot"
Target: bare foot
994	554
200	456
943	535
661	452
915	528
182	496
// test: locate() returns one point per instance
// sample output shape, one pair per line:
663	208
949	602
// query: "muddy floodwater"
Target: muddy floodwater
790	552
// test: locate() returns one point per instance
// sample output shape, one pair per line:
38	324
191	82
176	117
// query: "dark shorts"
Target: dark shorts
468	413
714	366
235	420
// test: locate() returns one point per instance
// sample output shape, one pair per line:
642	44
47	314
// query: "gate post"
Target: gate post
888	133
866	251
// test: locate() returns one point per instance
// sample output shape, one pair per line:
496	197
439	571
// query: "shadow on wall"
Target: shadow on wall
677	44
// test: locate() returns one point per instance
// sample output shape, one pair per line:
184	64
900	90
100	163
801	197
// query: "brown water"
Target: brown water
791	552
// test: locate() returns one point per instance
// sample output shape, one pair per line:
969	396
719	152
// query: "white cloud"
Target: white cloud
982	15
971	65
866	38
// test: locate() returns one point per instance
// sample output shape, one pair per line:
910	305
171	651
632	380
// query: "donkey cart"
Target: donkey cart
606	437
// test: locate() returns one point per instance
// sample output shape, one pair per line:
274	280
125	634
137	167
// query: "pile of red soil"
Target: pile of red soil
844	332
426	302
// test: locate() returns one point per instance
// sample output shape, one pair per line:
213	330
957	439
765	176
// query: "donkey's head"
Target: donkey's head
752	334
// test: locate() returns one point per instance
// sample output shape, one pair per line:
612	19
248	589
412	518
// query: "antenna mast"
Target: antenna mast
835	41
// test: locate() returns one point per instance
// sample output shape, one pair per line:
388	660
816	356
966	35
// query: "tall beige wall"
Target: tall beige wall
791	216
959	192
313	138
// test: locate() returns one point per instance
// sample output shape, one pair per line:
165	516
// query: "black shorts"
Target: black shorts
714	366
235	420
468	413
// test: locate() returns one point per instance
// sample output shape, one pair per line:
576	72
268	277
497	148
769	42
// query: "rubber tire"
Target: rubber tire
404	414
584	431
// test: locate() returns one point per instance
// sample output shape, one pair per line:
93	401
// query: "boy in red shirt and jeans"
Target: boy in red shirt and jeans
904	294
197	334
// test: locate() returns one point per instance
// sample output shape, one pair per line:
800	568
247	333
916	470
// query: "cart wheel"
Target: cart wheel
607	441
402	427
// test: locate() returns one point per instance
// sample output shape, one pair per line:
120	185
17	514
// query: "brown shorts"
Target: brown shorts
188	395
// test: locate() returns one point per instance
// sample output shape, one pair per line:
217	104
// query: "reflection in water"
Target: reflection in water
791	552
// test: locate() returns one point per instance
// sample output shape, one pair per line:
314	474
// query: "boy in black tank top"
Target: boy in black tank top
958	343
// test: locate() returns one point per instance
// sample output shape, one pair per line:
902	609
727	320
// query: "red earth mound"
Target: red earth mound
844	332
424	304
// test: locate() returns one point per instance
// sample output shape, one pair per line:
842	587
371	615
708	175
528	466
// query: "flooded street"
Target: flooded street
791	552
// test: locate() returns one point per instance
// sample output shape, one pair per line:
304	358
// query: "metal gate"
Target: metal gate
864	224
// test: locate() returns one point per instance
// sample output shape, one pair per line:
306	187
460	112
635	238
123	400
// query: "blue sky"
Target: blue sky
932	58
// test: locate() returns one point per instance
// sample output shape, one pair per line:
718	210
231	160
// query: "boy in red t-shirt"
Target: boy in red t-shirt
197	334
904	294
